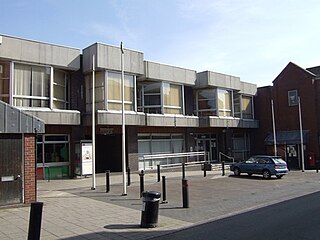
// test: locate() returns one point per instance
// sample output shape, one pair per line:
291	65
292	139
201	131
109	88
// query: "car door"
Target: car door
248	166
260	164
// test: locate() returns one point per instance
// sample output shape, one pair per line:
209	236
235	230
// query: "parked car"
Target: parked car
260	164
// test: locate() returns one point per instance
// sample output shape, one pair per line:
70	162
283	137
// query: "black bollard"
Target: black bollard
185	195
164	190
129	178
158	171
183	171
223	172
107	181
35	221
141	182
204	169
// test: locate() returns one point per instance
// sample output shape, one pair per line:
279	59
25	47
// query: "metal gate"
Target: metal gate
10	169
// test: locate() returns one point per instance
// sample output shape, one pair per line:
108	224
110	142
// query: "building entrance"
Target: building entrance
108	153
207	143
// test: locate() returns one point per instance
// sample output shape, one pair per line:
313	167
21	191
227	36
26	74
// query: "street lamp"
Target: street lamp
123	126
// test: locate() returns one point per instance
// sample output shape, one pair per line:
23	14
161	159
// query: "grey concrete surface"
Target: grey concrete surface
73	211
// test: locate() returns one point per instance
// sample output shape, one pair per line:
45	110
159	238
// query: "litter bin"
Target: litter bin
150	209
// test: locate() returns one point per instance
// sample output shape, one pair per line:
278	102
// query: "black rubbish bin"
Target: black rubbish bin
150	209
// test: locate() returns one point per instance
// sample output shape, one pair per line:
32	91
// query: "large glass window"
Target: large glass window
114	91
108	91
31	86
4	81
225	103
151	98
161	98
241	146
52	149
149	144
172	98
246	106
61	89
207	105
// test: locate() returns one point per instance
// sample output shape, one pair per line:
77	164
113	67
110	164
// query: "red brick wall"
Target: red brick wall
29	169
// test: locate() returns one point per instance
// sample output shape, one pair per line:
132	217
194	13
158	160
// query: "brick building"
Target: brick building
292	84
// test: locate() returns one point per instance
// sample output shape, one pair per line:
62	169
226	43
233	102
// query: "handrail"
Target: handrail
172	155
229	157
167	156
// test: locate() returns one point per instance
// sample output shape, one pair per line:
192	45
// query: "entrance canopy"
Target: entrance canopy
287	137
14	120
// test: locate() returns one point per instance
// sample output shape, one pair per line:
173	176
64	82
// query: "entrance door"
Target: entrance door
10	169
108	153
207	143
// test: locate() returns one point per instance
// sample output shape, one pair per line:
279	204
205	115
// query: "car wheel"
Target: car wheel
237	172
279	176
266	174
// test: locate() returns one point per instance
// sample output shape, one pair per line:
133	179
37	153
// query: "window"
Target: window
161	98
151	95
292	97
159	144
31	86
225	103
115	89
207	105
52	149
172	98
237	104
61	90
241	146
108	91
246	107
4	81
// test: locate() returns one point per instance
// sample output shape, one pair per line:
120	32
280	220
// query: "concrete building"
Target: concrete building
168	109
291	84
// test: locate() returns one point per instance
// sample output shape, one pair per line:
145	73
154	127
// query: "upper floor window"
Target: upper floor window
247	107
224	103
172	98
108	91
60	90
161	98
4	81
207	103
293	97
31	86
115	91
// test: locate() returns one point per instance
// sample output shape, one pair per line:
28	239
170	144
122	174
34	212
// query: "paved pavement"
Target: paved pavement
73	211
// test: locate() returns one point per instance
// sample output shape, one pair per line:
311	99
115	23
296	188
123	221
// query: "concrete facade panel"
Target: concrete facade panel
39	53
109	57
169	73
58	117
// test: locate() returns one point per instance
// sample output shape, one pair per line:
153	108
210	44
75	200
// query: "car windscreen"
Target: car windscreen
279	161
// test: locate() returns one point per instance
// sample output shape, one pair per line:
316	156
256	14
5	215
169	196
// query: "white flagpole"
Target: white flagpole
93	187
274	129
123	127
301	136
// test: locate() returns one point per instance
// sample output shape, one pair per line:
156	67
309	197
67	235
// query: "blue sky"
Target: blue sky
253	40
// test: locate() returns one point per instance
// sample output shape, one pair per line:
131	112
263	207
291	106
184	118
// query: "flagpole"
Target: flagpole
301	136
274	129
123	127
93	187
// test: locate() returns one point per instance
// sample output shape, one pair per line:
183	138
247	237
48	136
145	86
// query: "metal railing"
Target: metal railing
226	156
172	159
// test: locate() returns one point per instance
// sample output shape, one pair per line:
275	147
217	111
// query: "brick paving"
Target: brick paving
73	211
